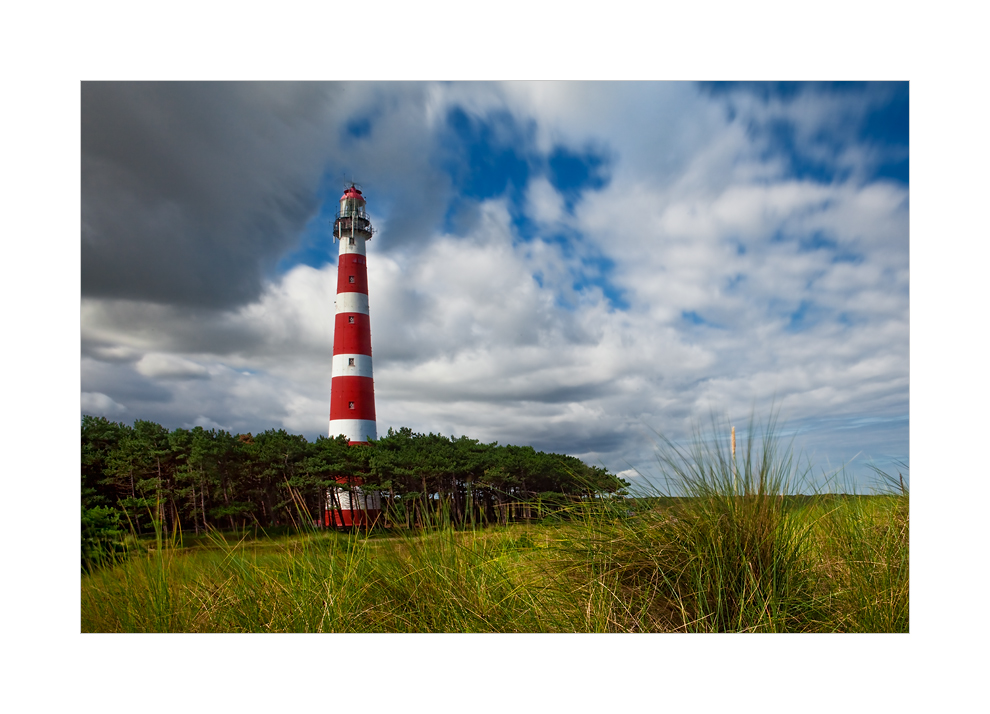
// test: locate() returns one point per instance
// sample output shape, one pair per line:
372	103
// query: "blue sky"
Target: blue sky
573	265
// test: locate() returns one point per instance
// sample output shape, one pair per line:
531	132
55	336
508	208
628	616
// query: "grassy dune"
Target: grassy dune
739	553
824	565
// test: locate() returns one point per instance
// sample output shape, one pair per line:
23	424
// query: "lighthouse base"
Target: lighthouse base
350	507
352	519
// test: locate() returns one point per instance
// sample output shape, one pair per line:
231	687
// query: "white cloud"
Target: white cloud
99	404
206	423
170	366
546	205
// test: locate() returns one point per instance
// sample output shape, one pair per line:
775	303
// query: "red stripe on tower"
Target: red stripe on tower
351	334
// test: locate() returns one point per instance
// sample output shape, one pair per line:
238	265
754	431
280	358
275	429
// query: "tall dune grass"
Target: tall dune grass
727	546
733	544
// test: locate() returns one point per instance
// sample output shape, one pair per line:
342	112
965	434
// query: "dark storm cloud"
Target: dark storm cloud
191	191
578	439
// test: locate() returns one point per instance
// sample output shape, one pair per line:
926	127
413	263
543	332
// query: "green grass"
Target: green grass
443	581
737	551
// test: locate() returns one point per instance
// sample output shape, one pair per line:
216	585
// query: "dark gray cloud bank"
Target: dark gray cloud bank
564	264
190	191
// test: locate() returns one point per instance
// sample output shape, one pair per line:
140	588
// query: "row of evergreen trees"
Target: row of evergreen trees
195	479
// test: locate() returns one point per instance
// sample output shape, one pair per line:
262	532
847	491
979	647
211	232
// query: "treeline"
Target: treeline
196	479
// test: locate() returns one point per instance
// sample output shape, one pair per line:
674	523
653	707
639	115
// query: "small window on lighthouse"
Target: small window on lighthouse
350	278
350	319
350	241
350	405
350	361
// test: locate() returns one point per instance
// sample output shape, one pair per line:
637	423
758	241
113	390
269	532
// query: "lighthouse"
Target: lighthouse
352	387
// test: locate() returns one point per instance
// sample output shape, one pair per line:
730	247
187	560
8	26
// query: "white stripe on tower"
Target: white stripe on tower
352	302
357	431
351	365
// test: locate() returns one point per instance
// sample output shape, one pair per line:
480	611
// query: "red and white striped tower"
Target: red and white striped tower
352	387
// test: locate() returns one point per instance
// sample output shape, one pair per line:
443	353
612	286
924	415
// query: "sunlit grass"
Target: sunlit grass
738	551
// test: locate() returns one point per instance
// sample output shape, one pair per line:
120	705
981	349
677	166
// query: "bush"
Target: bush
102	537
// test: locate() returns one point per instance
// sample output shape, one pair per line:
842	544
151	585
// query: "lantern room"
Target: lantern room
352	220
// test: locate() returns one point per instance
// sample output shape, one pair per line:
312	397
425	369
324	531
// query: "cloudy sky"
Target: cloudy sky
571	265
